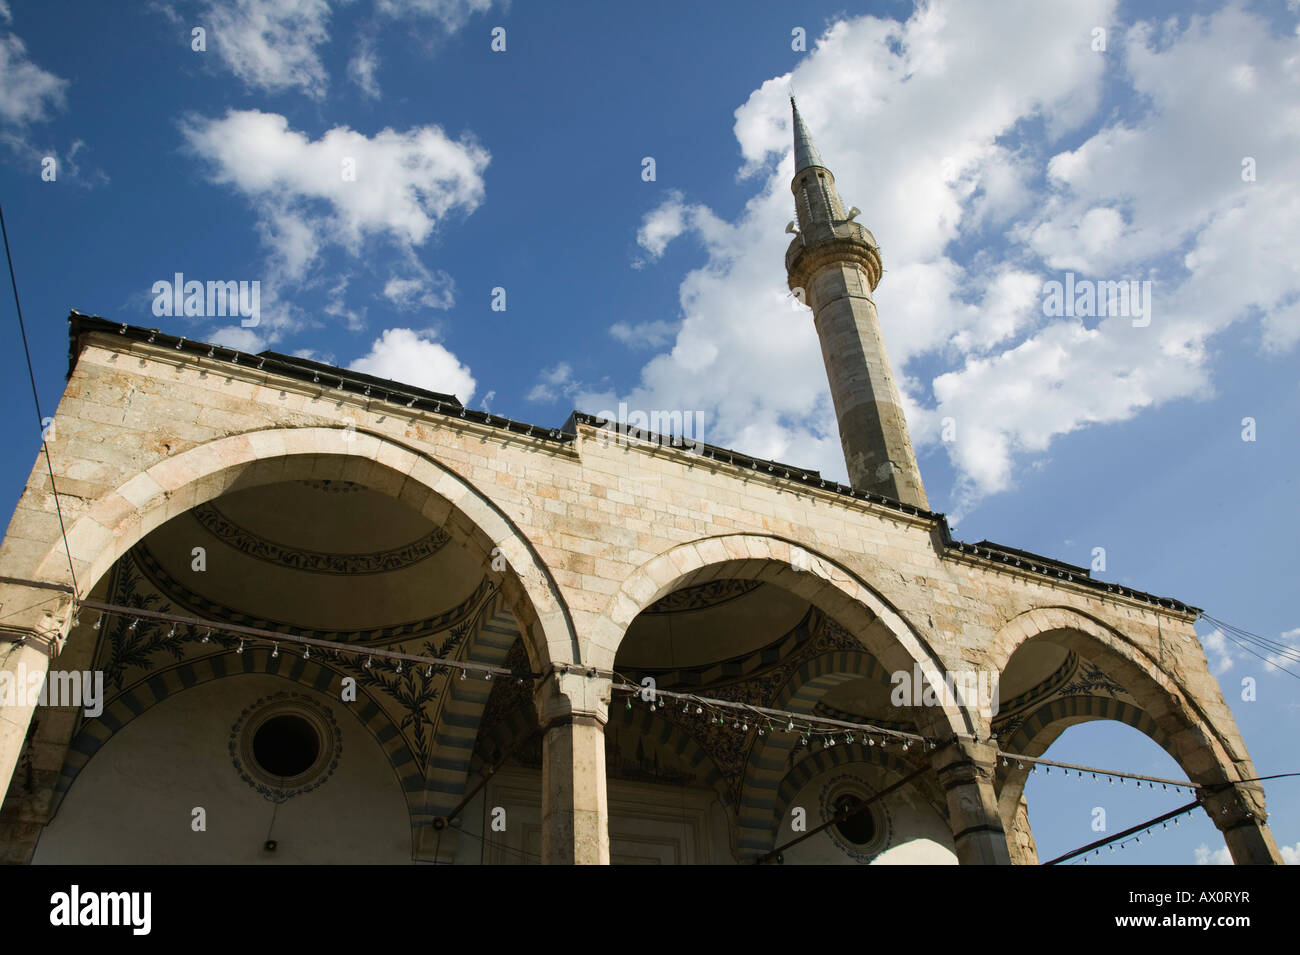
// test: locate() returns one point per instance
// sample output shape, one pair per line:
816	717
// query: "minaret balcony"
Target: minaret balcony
826	242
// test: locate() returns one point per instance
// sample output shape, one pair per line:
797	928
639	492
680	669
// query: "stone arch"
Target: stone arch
1169	705
834	589
888	639
138	698
174	485
1195	726
1045	725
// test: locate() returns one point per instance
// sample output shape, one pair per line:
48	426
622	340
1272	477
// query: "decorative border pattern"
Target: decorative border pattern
234	535
713	593
240	743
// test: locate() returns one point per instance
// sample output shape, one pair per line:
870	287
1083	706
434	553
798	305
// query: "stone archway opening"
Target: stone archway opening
1065	673
335	547
799	638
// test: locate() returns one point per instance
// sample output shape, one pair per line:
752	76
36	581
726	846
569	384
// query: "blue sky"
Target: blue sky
991	149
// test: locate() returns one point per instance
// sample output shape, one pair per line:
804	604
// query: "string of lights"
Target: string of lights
1133	834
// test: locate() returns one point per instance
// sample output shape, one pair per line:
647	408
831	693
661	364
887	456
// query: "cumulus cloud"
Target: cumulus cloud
450	14
1217	644
363	66
1207	856
272	45
1291	854
644	334
414	358
553	382
946	130
28	93
343	189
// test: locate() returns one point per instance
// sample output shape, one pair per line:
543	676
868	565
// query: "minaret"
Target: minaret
833	266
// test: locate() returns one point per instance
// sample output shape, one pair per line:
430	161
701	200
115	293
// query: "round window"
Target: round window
286	745
858	827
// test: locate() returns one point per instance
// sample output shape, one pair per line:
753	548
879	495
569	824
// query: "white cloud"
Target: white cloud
406	185
413	358
1290	639
672	218
451	14
552	382
1215	643
932	126
1291	854
644	334
28	94
5	15
272	45
423	289
1206	856
363	66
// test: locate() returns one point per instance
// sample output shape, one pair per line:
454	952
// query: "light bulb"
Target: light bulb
172	632
276	651
368	661
134	623
99	621
306	652
240	648
206	636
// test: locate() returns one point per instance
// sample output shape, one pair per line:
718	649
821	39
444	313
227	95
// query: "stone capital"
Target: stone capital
570	695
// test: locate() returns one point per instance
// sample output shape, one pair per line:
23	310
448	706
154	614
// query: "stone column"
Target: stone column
25	807
965	769
32	627
1238	812
572	710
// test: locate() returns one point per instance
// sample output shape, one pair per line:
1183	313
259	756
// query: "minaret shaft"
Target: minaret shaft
834	265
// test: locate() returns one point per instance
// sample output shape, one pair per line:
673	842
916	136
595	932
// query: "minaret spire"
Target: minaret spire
805	153
834	266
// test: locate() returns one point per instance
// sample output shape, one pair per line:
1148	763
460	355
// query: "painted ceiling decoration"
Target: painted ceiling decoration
330	487
142	561
703	596
1076	676
240	538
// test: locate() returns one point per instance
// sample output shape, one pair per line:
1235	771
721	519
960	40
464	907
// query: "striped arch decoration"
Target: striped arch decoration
463	703
1046	724
648	725
769	758
1078	709
814	764
143	695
